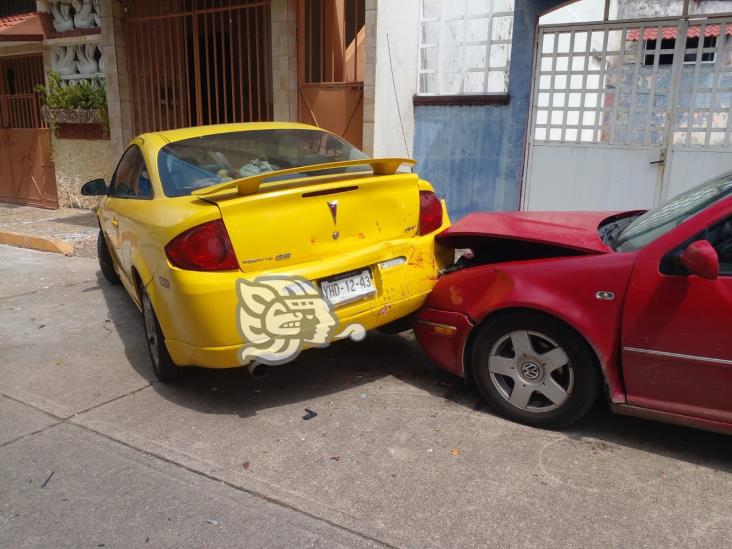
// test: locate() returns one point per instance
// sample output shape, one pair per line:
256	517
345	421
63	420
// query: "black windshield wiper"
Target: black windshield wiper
618	230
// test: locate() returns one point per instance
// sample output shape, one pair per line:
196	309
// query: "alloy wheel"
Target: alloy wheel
531	371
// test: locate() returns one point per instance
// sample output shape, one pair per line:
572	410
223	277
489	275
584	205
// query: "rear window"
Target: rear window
199	162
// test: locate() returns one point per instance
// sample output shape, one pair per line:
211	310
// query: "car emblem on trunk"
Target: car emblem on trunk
333	207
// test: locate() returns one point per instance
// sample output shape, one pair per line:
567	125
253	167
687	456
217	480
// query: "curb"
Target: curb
41	243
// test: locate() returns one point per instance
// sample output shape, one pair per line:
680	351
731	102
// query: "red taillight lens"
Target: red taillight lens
430	212
206	247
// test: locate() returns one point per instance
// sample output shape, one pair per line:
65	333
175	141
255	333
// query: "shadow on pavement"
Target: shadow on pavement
317	373
86	219
346	365
695	446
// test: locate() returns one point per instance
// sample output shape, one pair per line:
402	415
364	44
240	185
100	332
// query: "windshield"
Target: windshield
655	223
191	164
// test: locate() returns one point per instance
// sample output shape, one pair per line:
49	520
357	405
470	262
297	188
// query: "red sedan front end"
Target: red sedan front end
545	311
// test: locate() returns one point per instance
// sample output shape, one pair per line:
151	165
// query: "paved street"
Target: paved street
94	453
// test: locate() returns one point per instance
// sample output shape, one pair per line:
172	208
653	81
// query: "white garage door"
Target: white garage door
626	114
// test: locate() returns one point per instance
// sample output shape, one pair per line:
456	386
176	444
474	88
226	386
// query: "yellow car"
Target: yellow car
244	244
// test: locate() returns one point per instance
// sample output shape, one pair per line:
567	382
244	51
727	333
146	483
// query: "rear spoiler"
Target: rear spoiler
250	185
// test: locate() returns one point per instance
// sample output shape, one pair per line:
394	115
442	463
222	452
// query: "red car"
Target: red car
548	310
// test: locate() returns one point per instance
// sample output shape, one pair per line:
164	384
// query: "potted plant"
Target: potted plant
75	110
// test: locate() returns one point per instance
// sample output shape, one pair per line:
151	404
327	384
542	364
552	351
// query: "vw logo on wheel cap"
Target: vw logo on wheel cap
530	370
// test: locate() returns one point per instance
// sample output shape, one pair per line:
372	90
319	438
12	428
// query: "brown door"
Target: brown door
331	61
27	174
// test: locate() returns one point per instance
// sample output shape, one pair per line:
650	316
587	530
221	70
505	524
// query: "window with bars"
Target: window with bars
12	7
690	54
464	46
605	86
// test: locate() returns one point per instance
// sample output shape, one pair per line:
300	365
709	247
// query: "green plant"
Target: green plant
84	94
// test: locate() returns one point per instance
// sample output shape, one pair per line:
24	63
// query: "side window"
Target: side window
131	178
144	187
720	236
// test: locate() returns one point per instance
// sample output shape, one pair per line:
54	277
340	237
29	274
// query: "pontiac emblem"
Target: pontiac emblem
333	207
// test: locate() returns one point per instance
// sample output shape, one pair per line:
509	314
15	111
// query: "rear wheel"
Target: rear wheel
105	260
163	366
534	369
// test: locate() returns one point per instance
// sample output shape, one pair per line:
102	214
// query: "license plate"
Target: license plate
348	287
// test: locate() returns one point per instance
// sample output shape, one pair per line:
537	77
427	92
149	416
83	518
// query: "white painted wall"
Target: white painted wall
399	21
584	10
592	10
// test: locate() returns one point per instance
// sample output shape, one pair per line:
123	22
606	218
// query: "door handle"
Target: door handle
115	222
659	161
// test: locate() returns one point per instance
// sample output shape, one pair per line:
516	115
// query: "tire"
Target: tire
105	260
163	366
551	382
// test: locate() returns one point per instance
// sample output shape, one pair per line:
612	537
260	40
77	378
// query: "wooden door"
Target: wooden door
27	174
331	62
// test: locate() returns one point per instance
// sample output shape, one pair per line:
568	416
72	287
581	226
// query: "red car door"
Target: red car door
677	328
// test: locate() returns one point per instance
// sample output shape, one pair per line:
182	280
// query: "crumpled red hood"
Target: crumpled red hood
573	230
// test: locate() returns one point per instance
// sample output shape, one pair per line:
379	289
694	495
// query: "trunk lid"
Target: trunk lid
571	230
295	222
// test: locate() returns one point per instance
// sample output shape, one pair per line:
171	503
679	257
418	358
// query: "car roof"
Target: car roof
199	131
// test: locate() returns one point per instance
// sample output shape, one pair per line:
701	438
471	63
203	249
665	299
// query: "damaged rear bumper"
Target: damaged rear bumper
219	357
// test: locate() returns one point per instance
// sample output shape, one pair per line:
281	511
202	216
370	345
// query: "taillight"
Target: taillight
205	247
430	212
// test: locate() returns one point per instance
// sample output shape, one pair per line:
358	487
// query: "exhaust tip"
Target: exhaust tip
258	370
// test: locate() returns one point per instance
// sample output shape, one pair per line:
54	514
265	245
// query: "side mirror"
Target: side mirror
700	259
95	187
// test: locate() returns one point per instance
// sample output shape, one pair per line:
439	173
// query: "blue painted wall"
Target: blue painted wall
474	155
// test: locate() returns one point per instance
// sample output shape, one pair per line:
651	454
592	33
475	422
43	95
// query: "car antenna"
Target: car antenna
396	98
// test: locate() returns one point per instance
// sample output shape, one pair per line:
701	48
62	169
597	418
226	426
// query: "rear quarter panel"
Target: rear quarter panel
151	224
562	287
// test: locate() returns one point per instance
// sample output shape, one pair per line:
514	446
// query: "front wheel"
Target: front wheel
535	370
105	260
163	366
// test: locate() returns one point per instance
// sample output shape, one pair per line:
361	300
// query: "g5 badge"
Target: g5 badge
279	315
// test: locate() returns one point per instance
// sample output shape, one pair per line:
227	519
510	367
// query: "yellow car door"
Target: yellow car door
129	189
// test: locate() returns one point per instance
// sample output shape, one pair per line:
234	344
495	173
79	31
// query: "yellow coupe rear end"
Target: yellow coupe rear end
237	209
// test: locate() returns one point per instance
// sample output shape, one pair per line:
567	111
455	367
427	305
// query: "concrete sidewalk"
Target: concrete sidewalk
70	231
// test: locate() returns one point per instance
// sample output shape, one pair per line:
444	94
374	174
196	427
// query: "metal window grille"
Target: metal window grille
12	7
464	46
194	62
19	104
702	114
617	84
